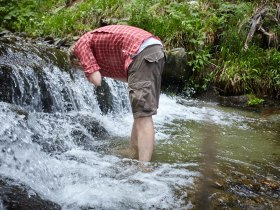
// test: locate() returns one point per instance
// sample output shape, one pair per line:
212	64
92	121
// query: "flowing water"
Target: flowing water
202	149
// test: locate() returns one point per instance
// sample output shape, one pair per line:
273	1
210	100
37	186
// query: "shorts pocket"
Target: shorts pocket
154	57
140	96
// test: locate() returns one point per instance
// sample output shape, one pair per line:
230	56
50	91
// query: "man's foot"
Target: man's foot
126	152
145	167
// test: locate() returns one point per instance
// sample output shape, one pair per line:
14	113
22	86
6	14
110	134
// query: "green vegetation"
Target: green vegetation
253	100
214	34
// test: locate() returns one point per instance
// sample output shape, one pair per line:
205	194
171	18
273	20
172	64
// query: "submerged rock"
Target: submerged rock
18	196
234	101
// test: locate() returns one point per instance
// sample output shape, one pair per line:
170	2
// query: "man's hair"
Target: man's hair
71	54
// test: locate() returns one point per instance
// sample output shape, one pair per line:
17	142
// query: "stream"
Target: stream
57	141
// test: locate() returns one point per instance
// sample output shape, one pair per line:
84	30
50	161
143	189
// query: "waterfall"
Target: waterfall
39	79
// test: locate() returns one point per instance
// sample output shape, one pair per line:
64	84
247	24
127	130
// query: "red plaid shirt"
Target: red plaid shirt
109	49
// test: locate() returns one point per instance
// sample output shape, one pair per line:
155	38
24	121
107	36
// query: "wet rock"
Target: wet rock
270	184
250	184
92	126
211	95
49	40
18	196
236	187
4	33
23	34
23	75
267	107
112	21
50	145
234	101
6	84
76	38
60	42
104	97
176	70
256	186
218	184
86	130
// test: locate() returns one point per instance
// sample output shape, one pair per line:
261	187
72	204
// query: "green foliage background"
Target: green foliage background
213	33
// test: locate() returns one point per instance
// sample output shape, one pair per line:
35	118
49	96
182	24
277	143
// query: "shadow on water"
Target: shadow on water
60	145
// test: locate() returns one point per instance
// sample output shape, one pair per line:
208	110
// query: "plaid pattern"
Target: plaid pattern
110	49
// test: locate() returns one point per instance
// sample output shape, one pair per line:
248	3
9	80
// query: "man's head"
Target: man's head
72	58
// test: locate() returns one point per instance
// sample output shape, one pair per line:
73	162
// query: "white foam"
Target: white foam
81	178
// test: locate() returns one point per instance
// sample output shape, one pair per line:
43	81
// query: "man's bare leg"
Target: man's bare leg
133	140
143	133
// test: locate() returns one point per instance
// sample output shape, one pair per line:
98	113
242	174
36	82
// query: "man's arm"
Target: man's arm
85	55
95	78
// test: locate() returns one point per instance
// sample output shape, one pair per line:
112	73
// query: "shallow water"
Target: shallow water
242	151
246	146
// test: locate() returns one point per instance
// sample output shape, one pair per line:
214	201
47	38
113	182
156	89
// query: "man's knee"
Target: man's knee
142	122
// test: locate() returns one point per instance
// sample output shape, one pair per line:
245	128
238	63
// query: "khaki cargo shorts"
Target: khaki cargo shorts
144	81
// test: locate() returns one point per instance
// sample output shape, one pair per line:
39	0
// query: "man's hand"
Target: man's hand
121	79
95	78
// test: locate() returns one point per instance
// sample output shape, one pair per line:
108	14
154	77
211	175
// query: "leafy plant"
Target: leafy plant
253	100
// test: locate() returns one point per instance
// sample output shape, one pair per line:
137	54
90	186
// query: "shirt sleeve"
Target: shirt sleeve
84	52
